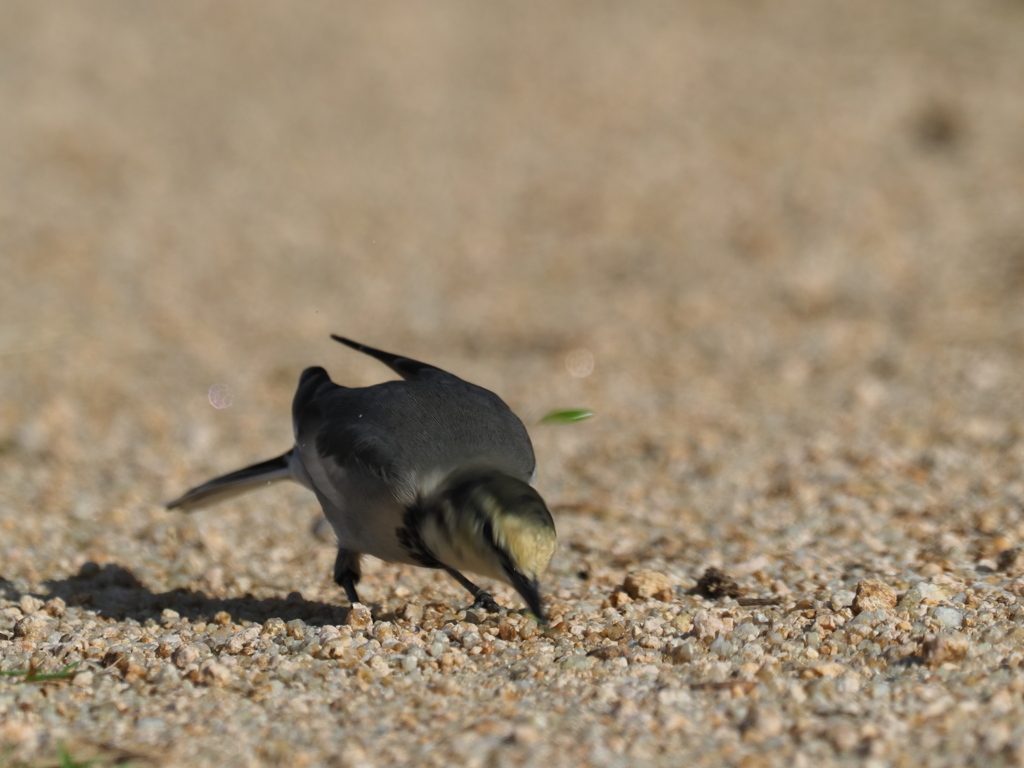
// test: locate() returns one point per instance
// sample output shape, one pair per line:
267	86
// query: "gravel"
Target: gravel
777	250
646	680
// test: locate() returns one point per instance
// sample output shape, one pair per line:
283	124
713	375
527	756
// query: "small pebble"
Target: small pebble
29	604
643	585
841	599
948	617
213	672
945	647
359	617
705	625
55	606
184	655
873	595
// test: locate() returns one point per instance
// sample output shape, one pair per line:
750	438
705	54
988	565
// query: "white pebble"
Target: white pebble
948	617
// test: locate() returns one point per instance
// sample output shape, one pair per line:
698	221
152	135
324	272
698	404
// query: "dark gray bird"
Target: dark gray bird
430	471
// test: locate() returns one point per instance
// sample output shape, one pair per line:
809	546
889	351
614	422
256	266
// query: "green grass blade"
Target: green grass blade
31	676
61	674
568	416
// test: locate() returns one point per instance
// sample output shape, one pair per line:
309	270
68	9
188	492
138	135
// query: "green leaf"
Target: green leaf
569	416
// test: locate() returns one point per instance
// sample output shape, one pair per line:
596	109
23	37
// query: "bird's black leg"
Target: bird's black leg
347	573
481	598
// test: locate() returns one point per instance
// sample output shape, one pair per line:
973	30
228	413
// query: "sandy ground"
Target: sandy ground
778	248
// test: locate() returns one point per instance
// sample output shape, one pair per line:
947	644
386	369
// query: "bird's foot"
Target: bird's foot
485	602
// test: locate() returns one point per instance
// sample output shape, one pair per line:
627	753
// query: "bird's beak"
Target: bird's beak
529	589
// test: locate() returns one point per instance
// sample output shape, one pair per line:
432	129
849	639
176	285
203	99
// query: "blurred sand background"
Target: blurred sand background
790	235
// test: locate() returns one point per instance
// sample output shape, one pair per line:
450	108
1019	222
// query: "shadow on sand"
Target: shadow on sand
114	592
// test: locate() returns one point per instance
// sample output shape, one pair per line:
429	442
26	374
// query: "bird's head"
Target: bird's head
485	521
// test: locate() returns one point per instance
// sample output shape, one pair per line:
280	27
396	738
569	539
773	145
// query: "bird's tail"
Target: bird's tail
234	483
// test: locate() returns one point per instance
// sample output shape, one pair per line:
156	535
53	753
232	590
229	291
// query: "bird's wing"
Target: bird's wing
405	367
440	417
338	429
335	420
404	431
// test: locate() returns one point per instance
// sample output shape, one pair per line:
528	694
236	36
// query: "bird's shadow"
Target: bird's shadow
114	592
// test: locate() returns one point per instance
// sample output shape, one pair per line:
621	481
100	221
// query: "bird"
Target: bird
429	470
